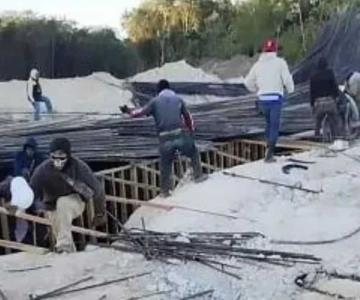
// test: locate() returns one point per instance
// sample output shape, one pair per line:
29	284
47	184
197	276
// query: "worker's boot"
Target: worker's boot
165	194
269	155
65	249
201	178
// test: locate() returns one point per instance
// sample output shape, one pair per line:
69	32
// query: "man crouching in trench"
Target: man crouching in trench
64	184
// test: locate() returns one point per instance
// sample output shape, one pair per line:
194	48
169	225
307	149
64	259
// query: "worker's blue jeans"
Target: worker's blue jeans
182	143
272	112
37	107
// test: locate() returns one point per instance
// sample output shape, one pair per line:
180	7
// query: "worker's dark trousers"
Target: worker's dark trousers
326	106
272	112
169	145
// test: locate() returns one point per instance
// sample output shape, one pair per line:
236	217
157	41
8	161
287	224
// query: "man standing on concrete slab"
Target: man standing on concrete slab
270	78
175	127
65	183
324	92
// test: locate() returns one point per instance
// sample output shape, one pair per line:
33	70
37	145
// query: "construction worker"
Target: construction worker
324	92
35	95
28	159
175	126
270	78
352	86
65	184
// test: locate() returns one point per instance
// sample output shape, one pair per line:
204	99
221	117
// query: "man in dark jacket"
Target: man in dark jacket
323	94
65	183
175	126
27	160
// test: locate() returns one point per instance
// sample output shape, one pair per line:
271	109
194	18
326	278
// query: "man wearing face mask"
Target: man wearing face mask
65	184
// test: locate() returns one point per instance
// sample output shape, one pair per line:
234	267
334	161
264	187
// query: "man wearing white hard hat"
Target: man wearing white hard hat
18	195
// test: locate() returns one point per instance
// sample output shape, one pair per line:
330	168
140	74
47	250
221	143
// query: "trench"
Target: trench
129	186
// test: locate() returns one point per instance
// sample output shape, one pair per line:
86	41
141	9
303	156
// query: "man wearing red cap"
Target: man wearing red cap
270	78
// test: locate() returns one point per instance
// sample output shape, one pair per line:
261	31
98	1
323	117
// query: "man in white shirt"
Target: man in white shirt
270	78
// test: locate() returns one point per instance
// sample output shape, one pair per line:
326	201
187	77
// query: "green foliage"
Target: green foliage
60	49
160	31
222	29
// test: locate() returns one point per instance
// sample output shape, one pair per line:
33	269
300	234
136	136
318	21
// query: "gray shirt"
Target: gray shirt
168	110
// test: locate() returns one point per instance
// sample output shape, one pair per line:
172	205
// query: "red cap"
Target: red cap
270	45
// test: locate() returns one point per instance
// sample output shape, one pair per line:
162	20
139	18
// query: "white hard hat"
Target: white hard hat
22	195
34	74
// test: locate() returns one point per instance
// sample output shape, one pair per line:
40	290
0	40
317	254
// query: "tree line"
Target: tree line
160	31
60	49
166	30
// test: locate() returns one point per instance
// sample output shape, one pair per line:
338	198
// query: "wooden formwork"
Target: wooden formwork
129	187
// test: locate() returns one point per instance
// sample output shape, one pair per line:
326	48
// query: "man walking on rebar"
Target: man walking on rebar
65	183
175	127
324	92
270	78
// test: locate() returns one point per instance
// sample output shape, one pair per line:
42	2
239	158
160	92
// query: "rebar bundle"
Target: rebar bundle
218	250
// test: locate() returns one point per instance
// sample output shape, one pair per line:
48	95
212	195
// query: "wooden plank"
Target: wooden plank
44	221
154	180
34	234
114	170
5	227
207	161
238	159
210	167
134	187
147	176
167	207
256	152
128	182
248	152
156	172
284	143
124	210
22	247
230	151
112	207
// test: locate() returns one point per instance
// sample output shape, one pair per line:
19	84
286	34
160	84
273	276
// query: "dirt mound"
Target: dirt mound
234	68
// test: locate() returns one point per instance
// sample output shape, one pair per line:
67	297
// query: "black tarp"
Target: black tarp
339	42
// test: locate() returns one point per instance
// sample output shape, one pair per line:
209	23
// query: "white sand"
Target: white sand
99	92
179	71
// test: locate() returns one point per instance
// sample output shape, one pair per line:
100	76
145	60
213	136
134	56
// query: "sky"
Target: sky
84	12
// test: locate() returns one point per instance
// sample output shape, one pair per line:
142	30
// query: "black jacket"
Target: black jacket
48	183
323	84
